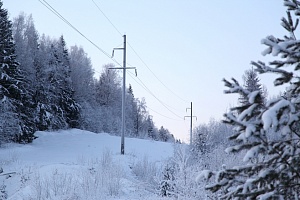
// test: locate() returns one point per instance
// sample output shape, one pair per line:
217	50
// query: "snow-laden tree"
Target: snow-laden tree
83	83
82	75
14	121
69	106
56	107
151	128
178	175
269	136
41	96
167	185
108	97
52	88
141	116
165	135
26	40
209	136
252	83
130	112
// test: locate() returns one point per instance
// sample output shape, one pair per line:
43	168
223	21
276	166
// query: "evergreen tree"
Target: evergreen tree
41	96
108	97
252	83
69	106
269	136
164	135
130	112
167	185
26	40
14	120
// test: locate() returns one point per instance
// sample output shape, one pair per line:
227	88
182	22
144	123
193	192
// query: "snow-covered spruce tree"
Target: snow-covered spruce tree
26	40
54	79
252	83
14	99
167	184
130	112
56	107
41	96
270	136
165	135
70	107
208	137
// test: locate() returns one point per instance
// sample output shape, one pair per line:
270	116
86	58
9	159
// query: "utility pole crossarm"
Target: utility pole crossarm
190	116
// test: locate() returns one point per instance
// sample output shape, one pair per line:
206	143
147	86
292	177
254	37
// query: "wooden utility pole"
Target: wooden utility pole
191	126
123	92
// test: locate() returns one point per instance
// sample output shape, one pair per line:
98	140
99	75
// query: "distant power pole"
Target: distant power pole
123	92
191	127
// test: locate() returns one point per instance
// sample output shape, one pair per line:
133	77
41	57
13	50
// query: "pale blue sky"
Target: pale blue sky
190	46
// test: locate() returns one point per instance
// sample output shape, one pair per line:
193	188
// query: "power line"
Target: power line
155	75
162	114
146	89
106	17
49	7
54	11
139	55
133	77
149	91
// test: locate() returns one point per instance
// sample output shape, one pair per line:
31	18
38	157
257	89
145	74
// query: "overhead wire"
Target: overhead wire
135	52
106	17
155	74
147	90
131	75
151	93
162	114
143	85
54	11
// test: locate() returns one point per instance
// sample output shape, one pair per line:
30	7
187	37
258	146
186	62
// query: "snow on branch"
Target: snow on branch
270	118
293	5
277	46
235	87
285	75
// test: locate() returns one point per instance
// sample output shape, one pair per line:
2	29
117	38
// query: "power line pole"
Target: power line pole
123	92
191	126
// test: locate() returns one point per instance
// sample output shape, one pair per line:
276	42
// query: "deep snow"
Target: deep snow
77	164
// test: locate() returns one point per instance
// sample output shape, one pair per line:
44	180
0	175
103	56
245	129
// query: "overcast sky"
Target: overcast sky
188	45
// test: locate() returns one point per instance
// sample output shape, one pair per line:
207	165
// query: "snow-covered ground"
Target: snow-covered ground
77	164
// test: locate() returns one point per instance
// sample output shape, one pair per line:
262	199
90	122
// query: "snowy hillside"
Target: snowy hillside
76	164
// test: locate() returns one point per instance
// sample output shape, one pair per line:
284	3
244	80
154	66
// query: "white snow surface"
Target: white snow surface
66	165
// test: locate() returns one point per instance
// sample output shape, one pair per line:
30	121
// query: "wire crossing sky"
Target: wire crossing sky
182	50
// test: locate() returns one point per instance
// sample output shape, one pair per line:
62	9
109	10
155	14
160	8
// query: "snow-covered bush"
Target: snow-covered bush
210	136
269	135
146	171
94	179
102	176
177	178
